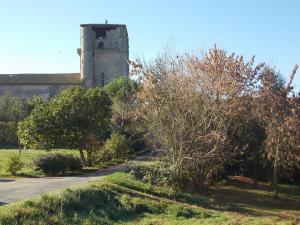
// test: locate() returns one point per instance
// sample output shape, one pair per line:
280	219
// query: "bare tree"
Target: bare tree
279	109
187	103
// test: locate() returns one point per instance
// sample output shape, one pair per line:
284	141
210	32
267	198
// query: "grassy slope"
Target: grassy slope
27	157
120	199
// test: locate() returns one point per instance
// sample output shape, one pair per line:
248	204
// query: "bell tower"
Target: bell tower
104	53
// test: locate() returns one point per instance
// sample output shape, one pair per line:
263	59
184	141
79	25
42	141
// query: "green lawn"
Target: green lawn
121	199
27	157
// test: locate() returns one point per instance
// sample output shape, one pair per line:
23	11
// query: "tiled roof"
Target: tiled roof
63	78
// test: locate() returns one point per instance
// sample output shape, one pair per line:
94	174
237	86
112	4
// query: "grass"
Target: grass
27	157
121	199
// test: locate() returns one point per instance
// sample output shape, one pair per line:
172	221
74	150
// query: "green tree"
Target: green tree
117	147
247	135
122	90
12	110
69	120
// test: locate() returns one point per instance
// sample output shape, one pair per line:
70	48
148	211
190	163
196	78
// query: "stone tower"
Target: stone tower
103	53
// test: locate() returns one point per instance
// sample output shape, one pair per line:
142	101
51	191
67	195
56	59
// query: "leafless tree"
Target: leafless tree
187	102
279	109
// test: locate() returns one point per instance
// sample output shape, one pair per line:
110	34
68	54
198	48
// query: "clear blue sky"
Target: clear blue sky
42	36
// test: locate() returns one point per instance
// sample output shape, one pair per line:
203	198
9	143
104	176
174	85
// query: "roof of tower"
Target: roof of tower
105	25
47	79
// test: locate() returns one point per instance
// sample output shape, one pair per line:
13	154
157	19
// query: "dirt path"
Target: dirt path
12	190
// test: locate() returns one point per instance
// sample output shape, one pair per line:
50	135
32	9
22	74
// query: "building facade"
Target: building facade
104	54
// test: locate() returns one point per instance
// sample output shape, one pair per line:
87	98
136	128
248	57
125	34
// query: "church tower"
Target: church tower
104	53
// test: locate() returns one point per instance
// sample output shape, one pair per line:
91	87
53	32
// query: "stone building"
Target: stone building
103	52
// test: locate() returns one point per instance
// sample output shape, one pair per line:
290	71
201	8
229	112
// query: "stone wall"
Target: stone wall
24	91
104	53
111	64
44	85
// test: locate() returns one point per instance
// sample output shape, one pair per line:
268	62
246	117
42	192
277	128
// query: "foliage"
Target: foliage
155	173
279	110
247	135
69	120
116	148
122	90
13	164
8	133
56	164
187	103
34	102
12	110
73	162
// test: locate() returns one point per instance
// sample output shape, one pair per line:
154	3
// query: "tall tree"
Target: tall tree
279	109
122	91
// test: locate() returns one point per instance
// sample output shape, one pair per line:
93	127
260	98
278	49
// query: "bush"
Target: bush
155	173
55	164
12	110
13	164
116	148
8	133
73	162
68	120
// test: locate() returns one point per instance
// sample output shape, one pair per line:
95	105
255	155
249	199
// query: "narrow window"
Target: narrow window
102	80
101	45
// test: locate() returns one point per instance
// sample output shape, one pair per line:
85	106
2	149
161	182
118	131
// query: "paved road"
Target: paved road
14	190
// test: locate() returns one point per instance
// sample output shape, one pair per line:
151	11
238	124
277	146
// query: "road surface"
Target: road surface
12	190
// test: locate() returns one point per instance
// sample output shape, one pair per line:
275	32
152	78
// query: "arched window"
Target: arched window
101	45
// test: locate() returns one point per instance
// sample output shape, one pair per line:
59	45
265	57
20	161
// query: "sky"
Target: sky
42	36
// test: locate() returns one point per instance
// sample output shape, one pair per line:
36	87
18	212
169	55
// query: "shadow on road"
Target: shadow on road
6	180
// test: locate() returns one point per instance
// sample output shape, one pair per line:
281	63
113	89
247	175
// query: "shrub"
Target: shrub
55	164
13	164
8	136
155	173
73	162
116	148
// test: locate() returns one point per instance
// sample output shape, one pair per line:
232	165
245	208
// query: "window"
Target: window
101	45
102	79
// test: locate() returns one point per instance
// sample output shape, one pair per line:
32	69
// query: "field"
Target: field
27	157
121	199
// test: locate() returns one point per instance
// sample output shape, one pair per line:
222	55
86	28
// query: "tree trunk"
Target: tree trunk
275	180
275	174
82	156
255	173
89	158
20	149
